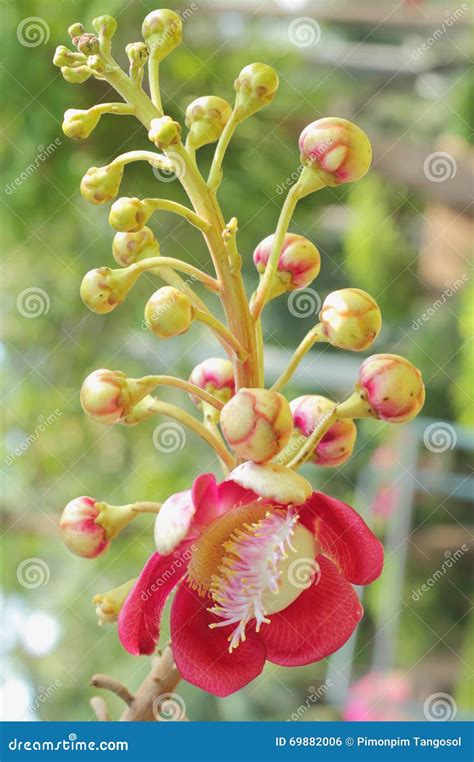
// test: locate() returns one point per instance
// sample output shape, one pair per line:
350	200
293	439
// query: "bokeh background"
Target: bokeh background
400	70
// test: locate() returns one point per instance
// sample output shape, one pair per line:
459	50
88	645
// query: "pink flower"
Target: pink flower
256	580
378	697
298	265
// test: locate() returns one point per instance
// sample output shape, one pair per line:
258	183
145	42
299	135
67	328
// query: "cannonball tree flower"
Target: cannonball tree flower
109	395
88	526
206	118
101	184
168	312
256	580
257	424
128	215
298	264
128	248
78	123
214	375
337	444
350	319
336	150
103	289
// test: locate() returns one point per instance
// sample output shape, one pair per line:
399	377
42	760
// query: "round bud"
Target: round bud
164	132
88	44
128	248
137	53
80	532
168	312
392	387
257	424
335	149
79	124
350	319
206	118
75	30
105	26
102	395
76	75
97	66
299	262
99	290
101	184
337	444
255	86
215	376
162	31
128	214
65	57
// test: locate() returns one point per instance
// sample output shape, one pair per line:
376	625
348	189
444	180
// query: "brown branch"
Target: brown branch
109	684
162	679
100	708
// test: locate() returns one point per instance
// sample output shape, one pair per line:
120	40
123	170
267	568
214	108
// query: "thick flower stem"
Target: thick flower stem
187	387
157	263
158	160
113	108
154	82
314	335
163	205
314	439
215	175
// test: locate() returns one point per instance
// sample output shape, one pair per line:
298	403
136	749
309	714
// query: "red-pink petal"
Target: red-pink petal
344	536
318	623
139	618
202	655
211	500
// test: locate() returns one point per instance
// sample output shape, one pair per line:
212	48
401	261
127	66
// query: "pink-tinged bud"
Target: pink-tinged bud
350	319
88	44
336	149
104	289
337	444
392	387
75	75
79	530
299	262
109	395
128	248
128	215
206	118
101	184
79	124
255	86
162	30
164	132
168	312
215	376
257	424
108	605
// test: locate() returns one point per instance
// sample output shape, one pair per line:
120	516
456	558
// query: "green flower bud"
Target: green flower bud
105	26
65	57
168	312
137	53
255	86
103	289
128	215
206	118
76	76
96	65
164	132
108	605
79	124
101	184
162	31
128	248
88	44
75	30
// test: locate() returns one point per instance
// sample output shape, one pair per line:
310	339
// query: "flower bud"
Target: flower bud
128	214
79	124
79	530
109	395
108	605
101	184
97	66
337	444
162	31
164	132
76	75
128	248
75	30
392	388
168	312
105	26
215	376
257	424
88	44
299	262
255	86
336	150
137	53
65	57
206	118
350	319
103	289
